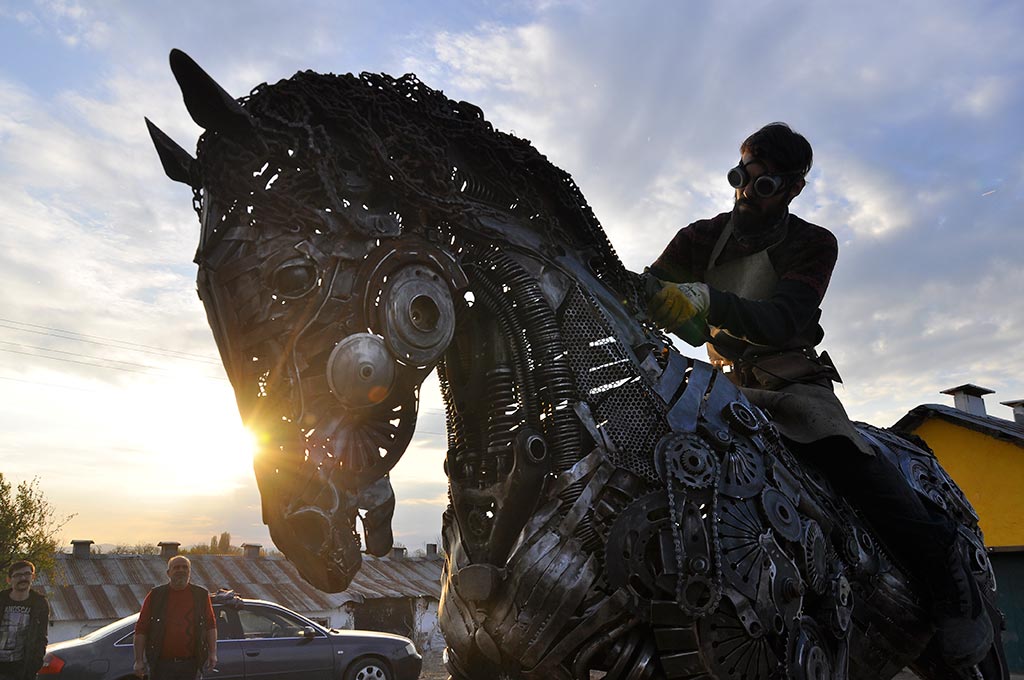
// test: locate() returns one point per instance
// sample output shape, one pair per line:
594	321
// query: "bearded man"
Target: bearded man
750	283
176	634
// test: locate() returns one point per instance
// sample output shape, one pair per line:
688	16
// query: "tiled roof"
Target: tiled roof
1005	430
105	587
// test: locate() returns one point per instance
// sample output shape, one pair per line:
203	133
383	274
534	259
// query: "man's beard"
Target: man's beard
754	228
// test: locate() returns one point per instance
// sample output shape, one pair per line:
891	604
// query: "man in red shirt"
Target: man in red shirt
176	634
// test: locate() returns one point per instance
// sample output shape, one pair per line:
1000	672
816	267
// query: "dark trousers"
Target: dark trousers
14	670
169	669
916	532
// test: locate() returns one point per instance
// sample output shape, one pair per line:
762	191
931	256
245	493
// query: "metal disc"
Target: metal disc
360	371
742	471
781	514
417	315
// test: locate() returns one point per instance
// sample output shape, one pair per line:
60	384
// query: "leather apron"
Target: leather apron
751	277
803	411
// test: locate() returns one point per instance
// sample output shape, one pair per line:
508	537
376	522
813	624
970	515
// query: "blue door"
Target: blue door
230	659
276	646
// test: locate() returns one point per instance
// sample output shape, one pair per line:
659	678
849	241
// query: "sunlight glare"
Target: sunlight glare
193	439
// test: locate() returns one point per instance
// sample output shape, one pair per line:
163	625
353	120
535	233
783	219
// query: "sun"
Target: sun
192	437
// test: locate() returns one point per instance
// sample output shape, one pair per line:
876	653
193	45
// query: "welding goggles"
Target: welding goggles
766	185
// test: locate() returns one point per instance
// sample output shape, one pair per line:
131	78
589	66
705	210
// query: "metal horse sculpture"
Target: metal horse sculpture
614	506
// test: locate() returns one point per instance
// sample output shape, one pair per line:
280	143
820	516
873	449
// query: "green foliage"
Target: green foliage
198	549
28	527
218	546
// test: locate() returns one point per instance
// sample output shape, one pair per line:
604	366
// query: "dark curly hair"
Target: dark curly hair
785	148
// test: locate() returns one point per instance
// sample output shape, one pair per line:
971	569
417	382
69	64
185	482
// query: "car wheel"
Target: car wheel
368	669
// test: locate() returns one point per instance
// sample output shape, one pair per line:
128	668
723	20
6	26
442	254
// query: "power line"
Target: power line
121	344
63	334
74	354
42	384
100	337
94	365
71	361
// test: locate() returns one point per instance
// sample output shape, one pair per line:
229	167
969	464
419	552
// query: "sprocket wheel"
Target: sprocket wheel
733	652
809	658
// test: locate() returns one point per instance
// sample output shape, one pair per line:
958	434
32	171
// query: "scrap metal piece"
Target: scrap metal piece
781	514
814	556
742	470
686	459
360	371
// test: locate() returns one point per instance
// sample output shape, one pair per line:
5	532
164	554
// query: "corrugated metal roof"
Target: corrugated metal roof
105	587
1005	430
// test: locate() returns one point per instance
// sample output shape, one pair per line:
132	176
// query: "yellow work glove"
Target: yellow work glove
680	308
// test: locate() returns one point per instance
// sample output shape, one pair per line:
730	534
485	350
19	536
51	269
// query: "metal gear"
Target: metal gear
735	651
687	459
742	418
814	556
809	656
742	471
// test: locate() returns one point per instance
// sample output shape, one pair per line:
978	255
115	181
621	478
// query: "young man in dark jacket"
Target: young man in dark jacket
750	283
24	616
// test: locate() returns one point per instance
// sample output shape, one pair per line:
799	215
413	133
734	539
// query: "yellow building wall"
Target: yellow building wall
990	472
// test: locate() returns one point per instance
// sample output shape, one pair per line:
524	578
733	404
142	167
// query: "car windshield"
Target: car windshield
111	627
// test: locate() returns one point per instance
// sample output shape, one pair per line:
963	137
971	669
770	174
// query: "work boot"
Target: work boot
964	630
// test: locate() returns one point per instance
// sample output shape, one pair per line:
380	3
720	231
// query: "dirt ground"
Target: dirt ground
433	669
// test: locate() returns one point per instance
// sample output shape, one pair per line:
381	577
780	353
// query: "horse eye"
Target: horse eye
295	279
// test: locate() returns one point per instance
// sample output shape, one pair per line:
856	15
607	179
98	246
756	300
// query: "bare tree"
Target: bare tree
136	549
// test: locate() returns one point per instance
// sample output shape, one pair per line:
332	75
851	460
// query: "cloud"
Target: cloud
73	23
863	200
96	241
984	98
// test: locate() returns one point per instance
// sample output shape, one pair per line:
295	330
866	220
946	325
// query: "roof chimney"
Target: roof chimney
168	549
251	550
398	552
1018	410
969	398
80	549
431	549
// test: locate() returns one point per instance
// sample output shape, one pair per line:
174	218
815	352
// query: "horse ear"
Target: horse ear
177	162
209	104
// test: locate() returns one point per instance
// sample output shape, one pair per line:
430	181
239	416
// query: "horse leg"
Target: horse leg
993	667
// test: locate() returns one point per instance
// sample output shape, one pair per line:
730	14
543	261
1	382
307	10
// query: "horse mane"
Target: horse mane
404	147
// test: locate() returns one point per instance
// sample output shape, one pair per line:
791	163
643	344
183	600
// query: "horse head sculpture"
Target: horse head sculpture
614	506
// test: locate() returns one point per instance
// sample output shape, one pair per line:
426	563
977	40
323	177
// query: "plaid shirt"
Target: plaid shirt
803	262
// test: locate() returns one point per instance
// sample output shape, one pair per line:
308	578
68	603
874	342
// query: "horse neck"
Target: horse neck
537	255
525	349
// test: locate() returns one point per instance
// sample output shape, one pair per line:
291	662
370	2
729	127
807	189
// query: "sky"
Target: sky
111	390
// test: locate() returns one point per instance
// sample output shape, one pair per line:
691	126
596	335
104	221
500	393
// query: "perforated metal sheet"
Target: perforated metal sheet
607	379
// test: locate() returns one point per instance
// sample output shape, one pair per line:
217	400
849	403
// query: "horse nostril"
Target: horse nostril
310	527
